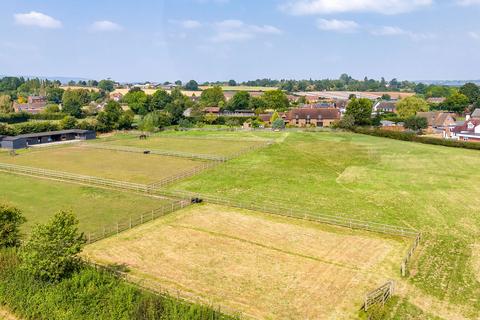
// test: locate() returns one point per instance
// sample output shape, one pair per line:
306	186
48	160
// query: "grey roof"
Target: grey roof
44	134
476	113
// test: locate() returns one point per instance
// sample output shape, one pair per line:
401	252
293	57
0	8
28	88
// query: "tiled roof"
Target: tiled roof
317	113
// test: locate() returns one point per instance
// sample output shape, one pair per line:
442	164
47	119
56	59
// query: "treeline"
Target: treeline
344	83
43	277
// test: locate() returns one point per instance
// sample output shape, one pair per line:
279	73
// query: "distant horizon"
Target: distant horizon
65	79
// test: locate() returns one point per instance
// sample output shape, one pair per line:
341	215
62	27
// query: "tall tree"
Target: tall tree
212	97
137	100
457	102
159	100
52	251
106	85
54	95
239	101
6	104
408	107
276	99
191	85
10	220
471	91
360	110
73	100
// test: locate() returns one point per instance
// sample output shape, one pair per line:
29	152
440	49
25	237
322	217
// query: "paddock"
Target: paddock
260	265
108	164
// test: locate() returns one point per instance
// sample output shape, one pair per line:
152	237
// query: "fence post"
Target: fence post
103	231
117	227
130	224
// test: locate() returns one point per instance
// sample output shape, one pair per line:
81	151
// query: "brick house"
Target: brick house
35	104
317	117
469	131
438	119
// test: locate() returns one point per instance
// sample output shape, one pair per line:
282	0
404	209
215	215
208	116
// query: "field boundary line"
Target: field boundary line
295	213
121	226
64	176
182	175
155	151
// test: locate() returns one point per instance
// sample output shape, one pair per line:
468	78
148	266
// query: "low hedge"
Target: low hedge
410	136
88	294
12	118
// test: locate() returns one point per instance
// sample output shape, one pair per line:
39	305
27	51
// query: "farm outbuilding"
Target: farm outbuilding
26	140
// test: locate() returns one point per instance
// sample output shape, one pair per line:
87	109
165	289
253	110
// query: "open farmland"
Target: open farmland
39	199
186	144
116	165
260	265
431	188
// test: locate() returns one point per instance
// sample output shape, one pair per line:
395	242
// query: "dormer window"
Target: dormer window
470	125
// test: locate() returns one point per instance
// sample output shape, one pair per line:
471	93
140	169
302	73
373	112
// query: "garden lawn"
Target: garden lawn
431	188
40	199
116	165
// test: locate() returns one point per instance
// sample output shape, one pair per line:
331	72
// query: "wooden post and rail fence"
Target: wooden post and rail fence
379	295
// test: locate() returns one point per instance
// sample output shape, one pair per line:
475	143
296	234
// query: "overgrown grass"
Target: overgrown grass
431	188
88	294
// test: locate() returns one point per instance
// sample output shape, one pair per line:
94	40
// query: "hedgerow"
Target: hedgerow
87	294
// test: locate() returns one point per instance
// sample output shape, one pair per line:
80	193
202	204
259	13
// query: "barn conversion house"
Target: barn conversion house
25	140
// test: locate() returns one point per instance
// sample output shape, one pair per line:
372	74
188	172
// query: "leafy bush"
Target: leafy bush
52	251
35	127
10	220
14	117
88	294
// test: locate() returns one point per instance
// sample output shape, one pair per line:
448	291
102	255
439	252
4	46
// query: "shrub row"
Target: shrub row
43	126
11	118
409	136
88	294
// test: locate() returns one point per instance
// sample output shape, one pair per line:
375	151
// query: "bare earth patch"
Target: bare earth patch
260	265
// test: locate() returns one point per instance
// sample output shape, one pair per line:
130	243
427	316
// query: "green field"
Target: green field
116	165
39	199
432	188
186	144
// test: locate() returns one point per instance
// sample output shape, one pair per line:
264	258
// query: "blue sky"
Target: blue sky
211	40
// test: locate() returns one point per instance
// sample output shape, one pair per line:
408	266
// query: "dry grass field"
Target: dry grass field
216	147
261	265
116	165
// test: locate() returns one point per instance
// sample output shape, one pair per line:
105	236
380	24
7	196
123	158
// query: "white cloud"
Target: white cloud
237	30
191	24
227	36
466	3
474	35
187	24
105	25
396	31
36	19
346	26
309	7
